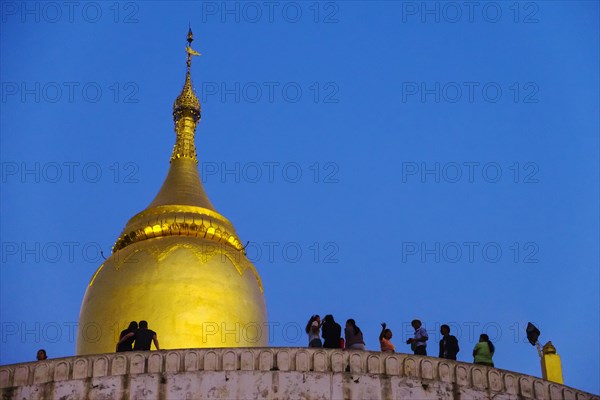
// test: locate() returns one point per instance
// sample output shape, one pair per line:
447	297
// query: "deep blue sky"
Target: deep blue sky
385	95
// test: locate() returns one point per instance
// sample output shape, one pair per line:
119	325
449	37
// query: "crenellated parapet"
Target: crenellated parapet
270	373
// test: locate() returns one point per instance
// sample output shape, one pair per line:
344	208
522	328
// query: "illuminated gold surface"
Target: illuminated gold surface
191	291
182	187
179	221
179	264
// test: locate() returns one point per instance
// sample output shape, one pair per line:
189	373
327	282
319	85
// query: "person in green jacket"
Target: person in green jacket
484	351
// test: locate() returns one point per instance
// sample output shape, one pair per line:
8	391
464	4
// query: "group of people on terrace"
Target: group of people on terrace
331	332
327	333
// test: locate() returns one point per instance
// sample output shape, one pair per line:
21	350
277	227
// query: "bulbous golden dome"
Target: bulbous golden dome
193	292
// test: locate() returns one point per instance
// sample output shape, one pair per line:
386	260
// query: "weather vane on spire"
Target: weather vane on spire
190	52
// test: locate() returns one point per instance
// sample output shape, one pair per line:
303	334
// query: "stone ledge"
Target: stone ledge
325	361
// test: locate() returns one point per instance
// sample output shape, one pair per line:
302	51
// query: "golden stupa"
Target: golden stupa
178	264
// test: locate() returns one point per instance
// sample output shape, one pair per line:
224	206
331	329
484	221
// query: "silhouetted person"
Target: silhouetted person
418	344
127	343
144	338
41	355
384	339
484	351
313	328
354	336
448	344
331	332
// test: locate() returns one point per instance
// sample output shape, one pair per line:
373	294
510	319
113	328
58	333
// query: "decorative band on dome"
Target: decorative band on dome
178	221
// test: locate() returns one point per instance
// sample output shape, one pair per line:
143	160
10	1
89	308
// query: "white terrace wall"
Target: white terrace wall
270	373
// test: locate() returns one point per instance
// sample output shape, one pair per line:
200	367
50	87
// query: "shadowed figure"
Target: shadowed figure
127	344
448	344
331	332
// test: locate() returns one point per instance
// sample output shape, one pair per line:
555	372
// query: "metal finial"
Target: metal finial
190	36
190	52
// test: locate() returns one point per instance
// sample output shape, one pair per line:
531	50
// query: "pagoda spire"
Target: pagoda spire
181	207
182	185
186	111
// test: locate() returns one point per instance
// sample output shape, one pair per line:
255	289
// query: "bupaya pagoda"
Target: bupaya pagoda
178	264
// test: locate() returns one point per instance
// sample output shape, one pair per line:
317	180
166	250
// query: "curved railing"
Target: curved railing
423	369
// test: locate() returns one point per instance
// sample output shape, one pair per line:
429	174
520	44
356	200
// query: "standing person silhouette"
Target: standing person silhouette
127	344
448	344
144	338
331	332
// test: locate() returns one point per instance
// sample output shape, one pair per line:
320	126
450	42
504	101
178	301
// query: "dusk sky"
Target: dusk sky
386	161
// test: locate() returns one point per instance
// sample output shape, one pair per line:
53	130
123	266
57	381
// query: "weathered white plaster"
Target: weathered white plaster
270	373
